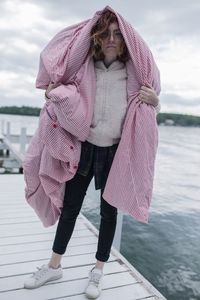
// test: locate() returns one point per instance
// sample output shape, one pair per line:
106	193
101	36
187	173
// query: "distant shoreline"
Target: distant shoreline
169	119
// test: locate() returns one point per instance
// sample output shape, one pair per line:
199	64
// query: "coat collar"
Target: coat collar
115	65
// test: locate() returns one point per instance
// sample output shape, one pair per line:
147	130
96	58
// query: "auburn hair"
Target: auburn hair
96	41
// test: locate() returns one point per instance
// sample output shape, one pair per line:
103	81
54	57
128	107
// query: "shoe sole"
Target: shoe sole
90	297
50	279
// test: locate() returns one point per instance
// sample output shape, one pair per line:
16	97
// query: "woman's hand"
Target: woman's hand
148	95
51	87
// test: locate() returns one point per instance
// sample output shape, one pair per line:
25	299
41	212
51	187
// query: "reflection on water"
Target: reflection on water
166	251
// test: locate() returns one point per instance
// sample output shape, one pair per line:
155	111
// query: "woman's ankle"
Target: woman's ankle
55	260
99	265
54	266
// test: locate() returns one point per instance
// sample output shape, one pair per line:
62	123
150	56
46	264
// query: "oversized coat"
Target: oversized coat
54	151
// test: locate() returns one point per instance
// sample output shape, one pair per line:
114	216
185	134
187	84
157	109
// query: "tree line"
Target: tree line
178	119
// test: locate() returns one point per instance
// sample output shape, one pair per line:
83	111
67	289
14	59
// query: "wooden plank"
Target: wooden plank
30	231
39	237
16	210
13	215
127	292
20	215
31	227
42	245
14	220
17	282
69	288
10	204
44	254
67	261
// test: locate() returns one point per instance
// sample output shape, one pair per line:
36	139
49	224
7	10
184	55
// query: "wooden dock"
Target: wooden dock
26	244
12	149
10	156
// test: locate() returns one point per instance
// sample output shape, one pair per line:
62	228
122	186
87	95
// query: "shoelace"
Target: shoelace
41	270
95	278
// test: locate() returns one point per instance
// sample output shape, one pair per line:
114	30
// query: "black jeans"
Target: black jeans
75	192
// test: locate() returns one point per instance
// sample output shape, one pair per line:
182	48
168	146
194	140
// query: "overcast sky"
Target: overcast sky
171	29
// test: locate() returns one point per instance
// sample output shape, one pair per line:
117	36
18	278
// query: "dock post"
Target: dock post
8	136
118	232
2	126
22	140
8	130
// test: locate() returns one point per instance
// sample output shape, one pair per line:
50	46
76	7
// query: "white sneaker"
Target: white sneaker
43	275
93	290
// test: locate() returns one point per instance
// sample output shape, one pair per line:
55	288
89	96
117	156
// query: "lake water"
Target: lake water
166	251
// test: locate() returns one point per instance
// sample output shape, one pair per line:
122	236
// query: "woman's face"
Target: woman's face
111	42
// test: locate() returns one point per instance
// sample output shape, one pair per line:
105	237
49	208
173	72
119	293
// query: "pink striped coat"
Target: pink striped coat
54	151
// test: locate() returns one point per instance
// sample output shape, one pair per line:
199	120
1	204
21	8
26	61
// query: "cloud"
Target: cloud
176	104
173	100
171	29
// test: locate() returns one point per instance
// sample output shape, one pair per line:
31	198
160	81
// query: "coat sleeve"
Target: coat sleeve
158	108
70	110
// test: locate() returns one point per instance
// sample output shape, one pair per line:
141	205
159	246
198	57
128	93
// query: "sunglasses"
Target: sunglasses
116	35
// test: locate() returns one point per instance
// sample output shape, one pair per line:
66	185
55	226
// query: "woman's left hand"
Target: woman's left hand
50	87
148	95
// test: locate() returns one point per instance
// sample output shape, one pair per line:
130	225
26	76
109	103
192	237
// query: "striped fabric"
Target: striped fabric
54	151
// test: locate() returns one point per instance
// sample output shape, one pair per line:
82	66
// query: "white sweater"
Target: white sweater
110	104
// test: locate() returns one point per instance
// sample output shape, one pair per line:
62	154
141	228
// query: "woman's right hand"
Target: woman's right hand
51	86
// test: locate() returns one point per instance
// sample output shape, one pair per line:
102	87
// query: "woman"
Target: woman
110	54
